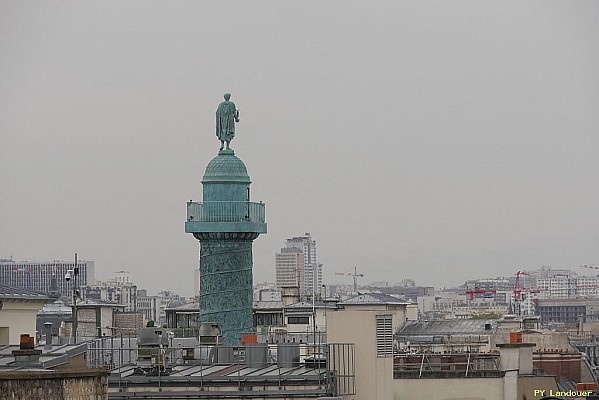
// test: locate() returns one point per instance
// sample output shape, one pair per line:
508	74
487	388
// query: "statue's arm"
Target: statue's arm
235	112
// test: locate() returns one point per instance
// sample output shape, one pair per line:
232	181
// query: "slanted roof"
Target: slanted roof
13	293
293	379
374	298
57	355
56	307
185	307
308	304
268	305
98	303
449	327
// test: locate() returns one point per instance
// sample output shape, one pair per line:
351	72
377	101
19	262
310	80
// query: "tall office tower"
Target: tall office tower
45	276
312	269
226	223
289	269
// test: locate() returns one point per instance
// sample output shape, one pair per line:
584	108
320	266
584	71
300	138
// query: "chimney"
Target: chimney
516	356
48	327
515	360
27	355
54	293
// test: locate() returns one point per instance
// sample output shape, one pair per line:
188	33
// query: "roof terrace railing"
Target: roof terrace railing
421	365
330	366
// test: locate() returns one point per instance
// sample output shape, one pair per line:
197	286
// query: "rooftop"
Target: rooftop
308	304
96	302
54	357
268	305
374	298
9	292
190	307
449	327
231	381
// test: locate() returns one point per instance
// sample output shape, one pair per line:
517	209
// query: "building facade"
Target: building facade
153	307
568	287
125	295
95	319
120	289
148	305
290	268
312	273
18	310
40	276
567	311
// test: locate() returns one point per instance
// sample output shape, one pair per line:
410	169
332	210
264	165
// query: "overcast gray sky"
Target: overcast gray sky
437	141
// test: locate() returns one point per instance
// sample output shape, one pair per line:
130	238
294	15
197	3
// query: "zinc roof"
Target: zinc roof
9	292
449	327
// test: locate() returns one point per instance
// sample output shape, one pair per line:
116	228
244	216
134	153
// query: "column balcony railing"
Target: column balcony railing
225	211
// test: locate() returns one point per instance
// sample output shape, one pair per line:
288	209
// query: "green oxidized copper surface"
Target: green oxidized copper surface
226	116
226	286
226	223
226	167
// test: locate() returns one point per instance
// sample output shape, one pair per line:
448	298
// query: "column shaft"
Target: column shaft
226	286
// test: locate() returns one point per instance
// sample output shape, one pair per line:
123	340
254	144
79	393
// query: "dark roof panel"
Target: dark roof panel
449	327
10	292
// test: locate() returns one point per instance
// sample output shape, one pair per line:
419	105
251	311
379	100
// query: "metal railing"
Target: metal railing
225	211
445	365
112	352
341	360
577	336
292	337
329	367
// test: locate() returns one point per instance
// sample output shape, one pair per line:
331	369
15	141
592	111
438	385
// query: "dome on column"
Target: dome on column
226	167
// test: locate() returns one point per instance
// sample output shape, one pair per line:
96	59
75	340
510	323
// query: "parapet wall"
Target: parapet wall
546	340
72	385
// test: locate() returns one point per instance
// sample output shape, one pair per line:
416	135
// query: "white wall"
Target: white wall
425	303
449	389
374	375
412	312
17	317
399	311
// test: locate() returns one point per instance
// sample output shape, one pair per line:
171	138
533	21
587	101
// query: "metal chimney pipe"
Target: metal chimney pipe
48	327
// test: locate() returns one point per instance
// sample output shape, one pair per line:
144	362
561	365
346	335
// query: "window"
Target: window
384	336
298	320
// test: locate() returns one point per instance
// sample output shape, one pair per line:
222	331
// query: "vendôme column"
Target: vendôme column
226	223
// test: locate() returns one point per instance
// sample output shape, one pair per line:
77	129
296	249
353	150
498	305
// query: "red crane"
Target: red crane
518	289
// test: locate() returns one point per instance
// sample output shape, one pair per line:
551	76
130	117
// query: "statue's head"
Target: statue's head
227	96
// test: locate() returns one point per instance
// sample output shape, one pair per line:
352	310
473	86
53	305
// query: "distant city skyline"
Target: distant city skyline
436	142
583	272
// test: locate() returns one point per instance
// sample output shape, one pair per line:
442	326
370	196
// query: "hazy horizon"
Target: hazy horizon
434	141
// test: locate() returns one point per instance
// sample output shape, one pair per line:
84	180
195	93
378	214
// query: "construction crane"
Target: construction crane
518	289
589	266
354	274
479	291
